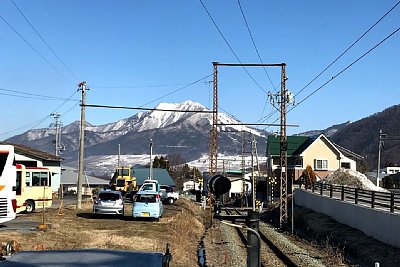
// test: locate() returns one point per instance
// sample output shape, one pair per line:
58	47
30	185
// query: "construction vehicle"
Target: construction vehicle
123	180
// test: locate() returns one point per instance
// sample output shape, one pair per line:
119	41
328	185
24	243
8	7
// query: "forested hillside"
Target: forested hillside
362	137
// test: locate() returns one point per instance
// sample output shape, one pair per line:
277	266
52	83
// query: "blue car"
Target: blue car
147	205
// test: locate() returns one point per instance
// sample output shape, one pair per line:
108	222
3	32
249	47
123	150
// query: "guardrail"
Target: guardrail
374	199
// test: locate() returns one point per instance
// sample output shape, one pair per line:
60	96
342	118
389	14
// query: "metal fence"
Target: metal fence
387	201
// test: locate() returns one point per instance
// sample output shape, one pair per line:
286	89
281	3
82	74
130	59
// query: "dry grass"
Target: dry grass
182	226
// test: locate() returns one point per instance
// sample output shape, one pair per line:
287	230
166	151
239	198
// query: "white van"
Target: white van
150	185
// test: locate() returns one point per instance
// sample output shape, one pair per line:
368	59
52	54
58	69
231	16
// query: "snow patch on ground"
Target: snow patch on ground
352	178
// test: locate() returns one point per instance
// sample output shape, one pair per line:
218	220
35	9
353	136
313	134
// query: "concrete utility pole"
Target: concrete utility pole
57	124
151	161
381	136
82	87
119	155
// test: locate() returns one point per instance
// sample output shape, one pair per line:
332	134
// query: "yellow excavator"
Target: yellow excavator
123	180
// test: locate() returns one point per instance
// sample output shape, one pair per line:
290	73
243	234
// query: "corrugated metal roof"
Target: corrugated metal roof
70	177
161	175
32	152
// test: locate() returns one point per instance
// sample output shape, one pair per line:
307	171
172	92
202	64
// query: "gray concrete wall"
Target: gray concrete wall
381	225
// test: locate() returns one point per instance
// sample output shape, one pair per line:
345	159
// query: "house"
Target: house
31	157
161	175
69	181
235	176
318	152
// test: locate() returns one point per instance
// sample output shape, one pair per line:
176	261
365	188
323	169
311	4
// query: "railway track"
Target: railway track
270	254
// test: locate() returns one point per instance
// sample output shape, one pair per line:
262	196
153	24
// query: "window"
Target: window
109	196
321	164
18	183
146	198
39	178
3	160
345	165
28	179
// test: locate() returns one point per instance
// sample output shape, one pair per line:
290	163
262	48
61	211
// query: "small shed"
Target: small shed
161	175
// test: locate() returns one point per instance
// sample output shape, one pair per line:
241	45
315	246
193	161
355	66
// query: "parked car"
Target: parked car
108	202
129	196
147	204
150	185
168	195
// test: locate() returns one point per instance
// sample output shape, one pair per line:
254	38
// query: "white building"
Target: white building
31	157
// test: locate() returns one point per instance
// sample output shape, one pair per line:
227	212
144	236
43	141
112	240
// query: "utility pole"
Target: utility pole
214	128
151	161
119	155
82	87
283	152
244	191
282	99
57	124
380	145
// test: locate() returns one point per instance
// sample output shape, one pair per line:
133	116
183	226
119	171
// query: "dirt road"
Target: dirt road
181	226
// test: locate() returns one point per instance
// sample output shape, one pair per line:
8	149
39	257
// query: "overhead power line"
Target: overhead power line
33	96
137	86
254	44
346	68
345	51
230	47
177	90
147	109
341	72
44	41
36	51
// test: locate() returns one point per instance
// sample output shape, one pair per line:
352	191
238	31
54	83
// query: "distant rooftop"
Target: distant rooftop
32	152
161	175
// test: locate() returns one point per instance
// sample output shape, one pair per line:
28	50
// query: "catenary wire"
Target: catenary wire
230	47
176	90
345	51
254	44
44	41
346	68
342	71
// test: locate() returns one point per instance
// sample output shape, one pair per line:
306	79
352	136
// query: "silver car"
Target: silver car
108	202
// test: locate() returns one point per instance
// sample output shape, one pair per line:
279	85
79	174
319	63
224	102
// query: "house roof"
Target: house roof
161	175
32	152
296	145
348	153
70	177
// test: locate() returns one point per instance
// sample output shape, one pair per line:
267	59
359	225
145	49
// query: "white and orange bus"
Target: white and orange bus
33	188
7	183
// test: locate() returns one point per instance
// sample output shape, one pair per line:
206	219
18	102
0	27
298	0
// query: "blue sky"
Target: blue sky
132	52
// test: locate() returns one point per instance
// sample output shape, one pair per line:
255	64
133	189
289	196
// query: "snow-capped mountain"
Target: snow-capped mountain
185	133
